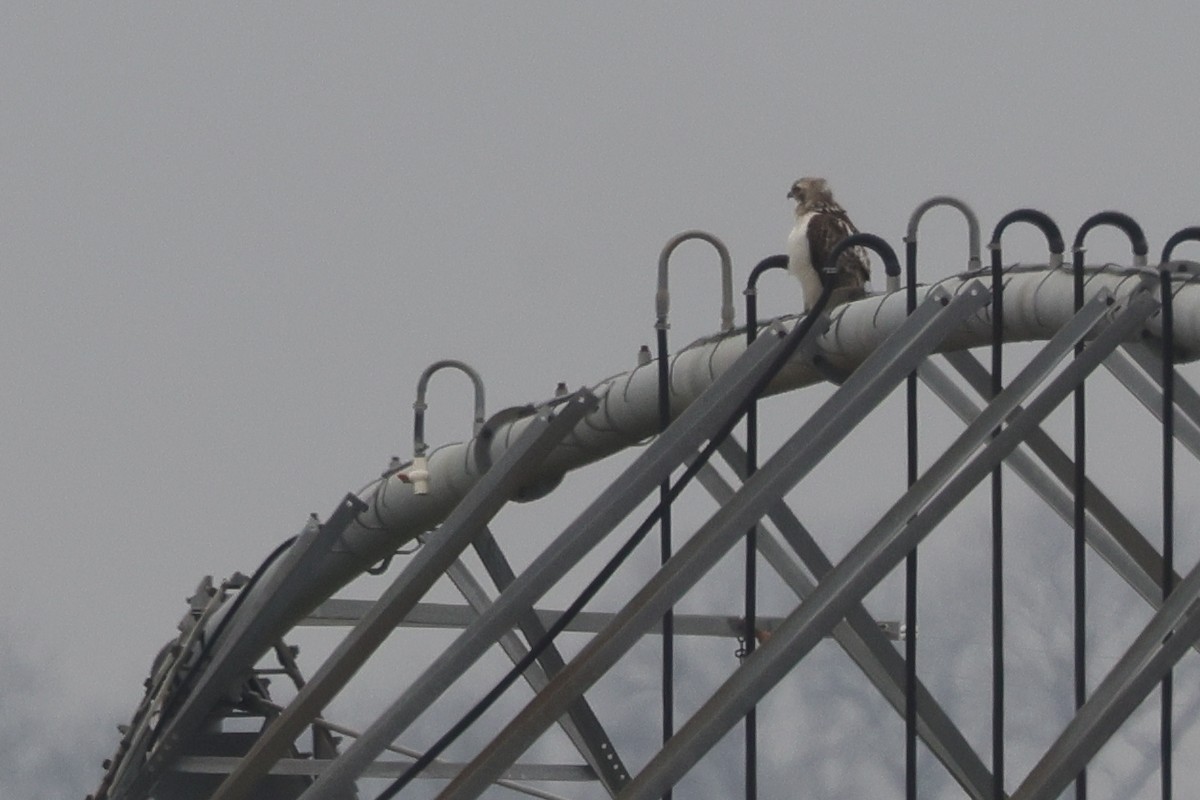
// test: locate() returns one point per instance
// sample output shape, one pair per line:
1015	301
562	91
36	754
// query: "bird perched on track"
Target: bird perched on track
820	224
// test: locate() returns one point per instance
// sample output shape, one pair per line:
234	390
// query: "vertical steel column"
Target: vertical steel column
1079	517
661	325
751	573
1051	232
911	713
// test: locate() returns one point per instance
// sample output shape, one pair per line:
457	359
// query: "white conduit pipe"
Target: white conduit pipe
1037	301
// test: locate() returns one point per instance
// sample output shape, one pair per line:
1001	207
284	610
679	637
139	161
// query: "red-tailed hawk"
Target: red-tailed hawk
820	224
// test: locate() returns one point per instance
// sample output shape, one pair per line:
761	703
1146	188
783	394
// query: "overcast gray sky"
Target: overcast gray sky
232	236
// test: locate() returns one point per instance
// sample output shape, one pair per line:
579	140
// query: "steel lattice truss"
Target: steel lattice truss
210	728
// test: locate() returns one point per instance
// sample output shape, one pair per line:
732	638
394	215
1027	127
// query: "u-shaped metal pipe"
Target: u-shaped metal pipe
419	445
662	299
974	261
662	307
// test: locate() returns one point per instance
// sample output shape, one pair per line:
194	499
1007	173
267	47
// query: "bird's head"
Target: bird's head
808	192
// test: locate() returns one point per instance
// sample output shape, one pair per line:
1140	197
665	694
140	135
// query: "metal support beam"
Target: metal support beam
859	634
864	641
313	767
409	753
481	503
1170	633
581	723
1117	539
709	415
261	606
916	513
1146	387
864	390
458	617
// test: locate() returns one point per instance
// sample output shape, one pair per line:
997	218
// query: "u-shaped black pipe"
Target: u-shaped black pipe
911	433
1137	239
1166	723
779	261
750	602
770	262
1054	238
1115	219
1167	690
1031	215
891	264
1191	234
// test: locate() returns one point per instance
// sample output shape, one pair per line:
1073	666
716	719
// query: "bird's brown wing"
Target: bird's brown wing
824	232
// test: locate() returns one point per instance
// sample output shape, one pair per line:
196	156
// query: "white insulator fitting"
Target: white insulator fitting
418	475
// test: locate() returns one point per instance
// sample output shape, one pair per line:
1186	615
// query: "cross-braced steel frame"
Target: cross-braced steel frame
210	728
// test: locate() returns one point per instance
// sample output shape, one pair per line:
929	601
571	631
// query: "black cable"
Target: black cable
910	565
665	546
555	629
210	640
1168	420
1055	240
786	350
997	538
1168	512
1138	240
1080	524
750	603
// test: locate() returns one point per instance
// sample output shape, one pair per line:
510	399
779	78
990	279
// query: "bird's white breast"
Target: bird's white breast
800	261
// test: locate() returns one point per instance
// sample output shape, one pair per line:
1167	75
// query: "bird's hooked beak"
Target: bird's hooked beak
795	194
